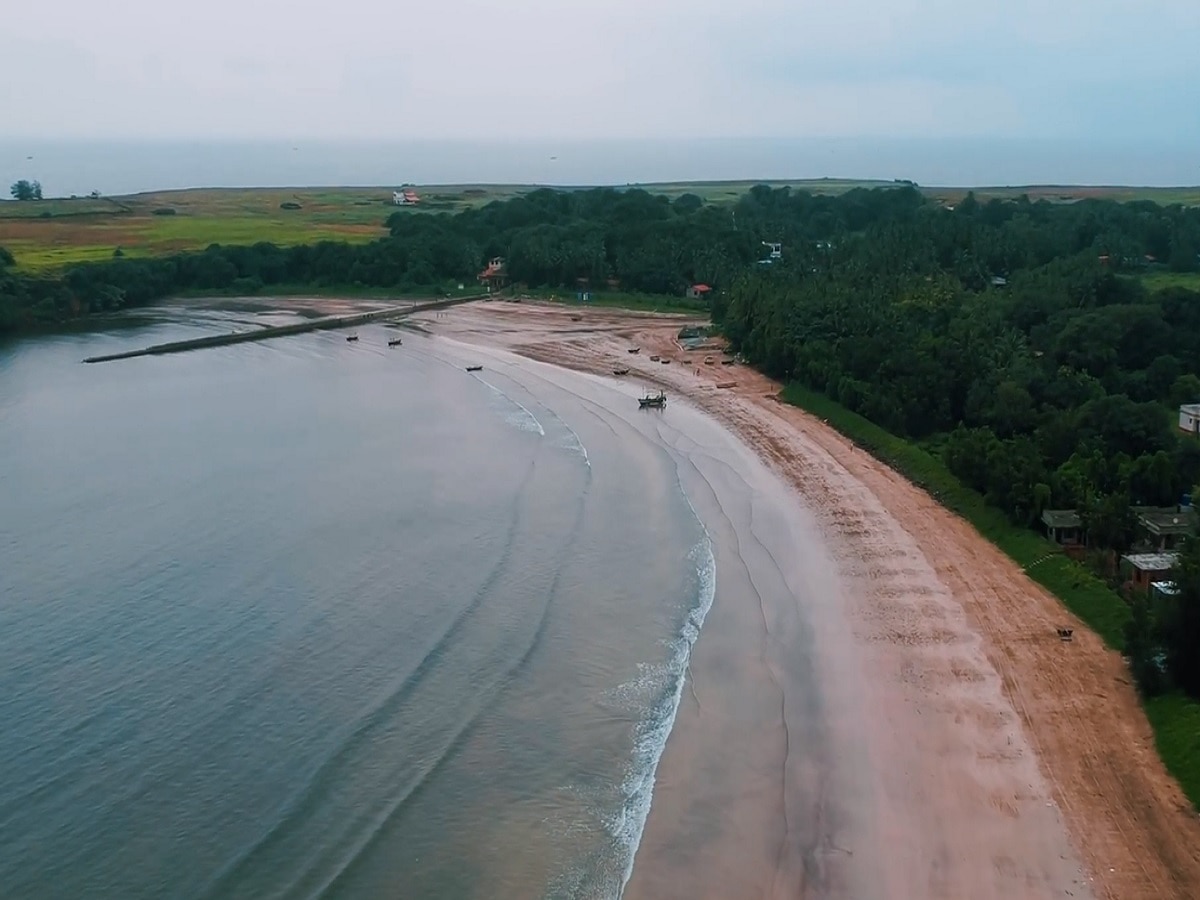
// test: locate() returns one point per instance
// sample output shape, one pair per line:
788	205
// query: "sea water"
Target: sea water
309	618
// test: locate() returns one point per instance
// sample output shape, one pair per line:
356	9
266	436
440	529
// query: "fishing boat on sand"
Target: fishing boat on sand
395	342
620	371
658	401
352	337
474	368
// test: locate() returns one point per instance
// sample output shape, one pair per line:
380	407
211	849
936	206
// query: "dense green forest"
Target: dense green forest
1015	339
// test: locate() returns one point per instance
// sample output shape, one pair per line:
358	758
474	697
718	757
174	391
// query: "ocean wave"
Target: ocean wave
571	442
651	736
520	416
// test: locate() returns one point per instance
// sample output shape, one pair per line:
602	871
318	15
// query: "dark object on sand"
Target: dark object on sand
395	342
352	337
474	368
620	371
634	349
658	401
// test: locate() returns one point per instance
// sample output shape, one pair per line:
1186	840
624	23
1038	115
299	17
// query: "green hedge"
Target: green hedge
1175	718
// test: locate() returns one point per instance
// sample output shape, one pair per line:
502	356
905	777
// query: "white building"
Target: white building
1189	418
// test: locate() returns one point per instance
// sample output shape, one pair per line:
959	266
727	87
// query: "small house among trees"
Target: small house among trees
699	291
1165	528
1063	526
1142	569
1189	418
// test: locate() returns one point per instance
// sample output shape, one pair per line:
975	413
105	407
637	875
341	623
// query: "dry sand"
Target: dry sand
967	752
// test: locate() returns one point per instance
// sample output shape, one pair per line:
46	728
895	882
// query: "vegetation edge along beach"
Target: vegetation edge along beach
1011	353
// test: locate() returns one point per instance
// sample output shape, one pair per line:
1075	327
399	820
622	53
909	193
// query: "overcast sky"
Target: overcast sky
589	68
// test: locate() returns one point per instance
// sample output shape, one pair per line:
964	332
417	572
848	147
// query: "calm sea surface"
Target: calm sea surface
310	618
122	167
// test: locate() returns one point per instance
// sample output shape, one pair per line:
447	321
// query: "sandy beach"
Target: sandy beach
954	747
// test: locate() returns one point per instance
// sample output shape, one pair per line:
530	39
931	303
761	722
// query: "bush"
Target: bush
164	211
290	204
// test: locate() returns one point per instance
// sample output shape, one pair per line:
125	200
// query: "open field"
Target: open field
49	234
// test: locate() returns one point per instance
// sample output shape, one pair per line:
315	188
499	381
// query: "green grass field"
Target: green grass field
1175	718
1156	281
49	234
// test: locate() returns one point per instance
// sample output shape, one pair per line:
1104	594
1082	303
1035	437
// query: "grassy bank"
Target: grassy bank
1175	718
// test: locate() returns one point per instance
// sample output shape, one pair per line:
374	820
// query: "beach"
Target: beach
878	704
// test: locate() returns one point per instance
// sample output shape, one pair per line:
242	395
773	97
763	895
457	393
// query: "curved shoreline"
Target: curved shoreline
991	753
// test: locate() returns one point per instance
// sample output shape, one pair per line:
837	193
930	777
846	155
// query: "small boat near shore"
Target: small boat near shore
474	368
620	371
395	342
634	350
352	337
653	401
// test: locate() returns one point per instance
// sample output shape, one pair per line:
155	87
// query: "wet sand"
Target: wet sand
952	747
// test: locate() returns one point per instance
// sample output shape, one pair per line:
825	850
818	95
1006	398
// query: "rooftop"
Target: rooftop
1152	562
1061	518
1165	587
1193	408
1167	521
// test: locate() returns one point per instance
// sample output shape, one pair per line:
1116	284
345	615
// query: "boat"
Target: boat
620	371
665	362
658	400
395	342
654	359
352	337
474	368
634	349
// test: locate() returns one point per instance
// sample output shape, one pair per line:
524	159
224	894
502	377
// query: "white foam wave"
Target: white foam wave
520	417
567	438
651	738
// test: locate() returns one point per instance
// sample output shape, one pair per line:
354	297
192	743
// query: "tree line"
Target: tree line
617	239
1017	341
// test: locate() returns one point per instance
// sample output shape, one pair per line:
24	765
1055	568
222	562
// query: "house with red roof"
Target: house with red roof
699	291
494	276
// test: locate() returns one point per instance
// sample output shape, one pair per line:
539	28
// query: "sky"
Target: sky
586	69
